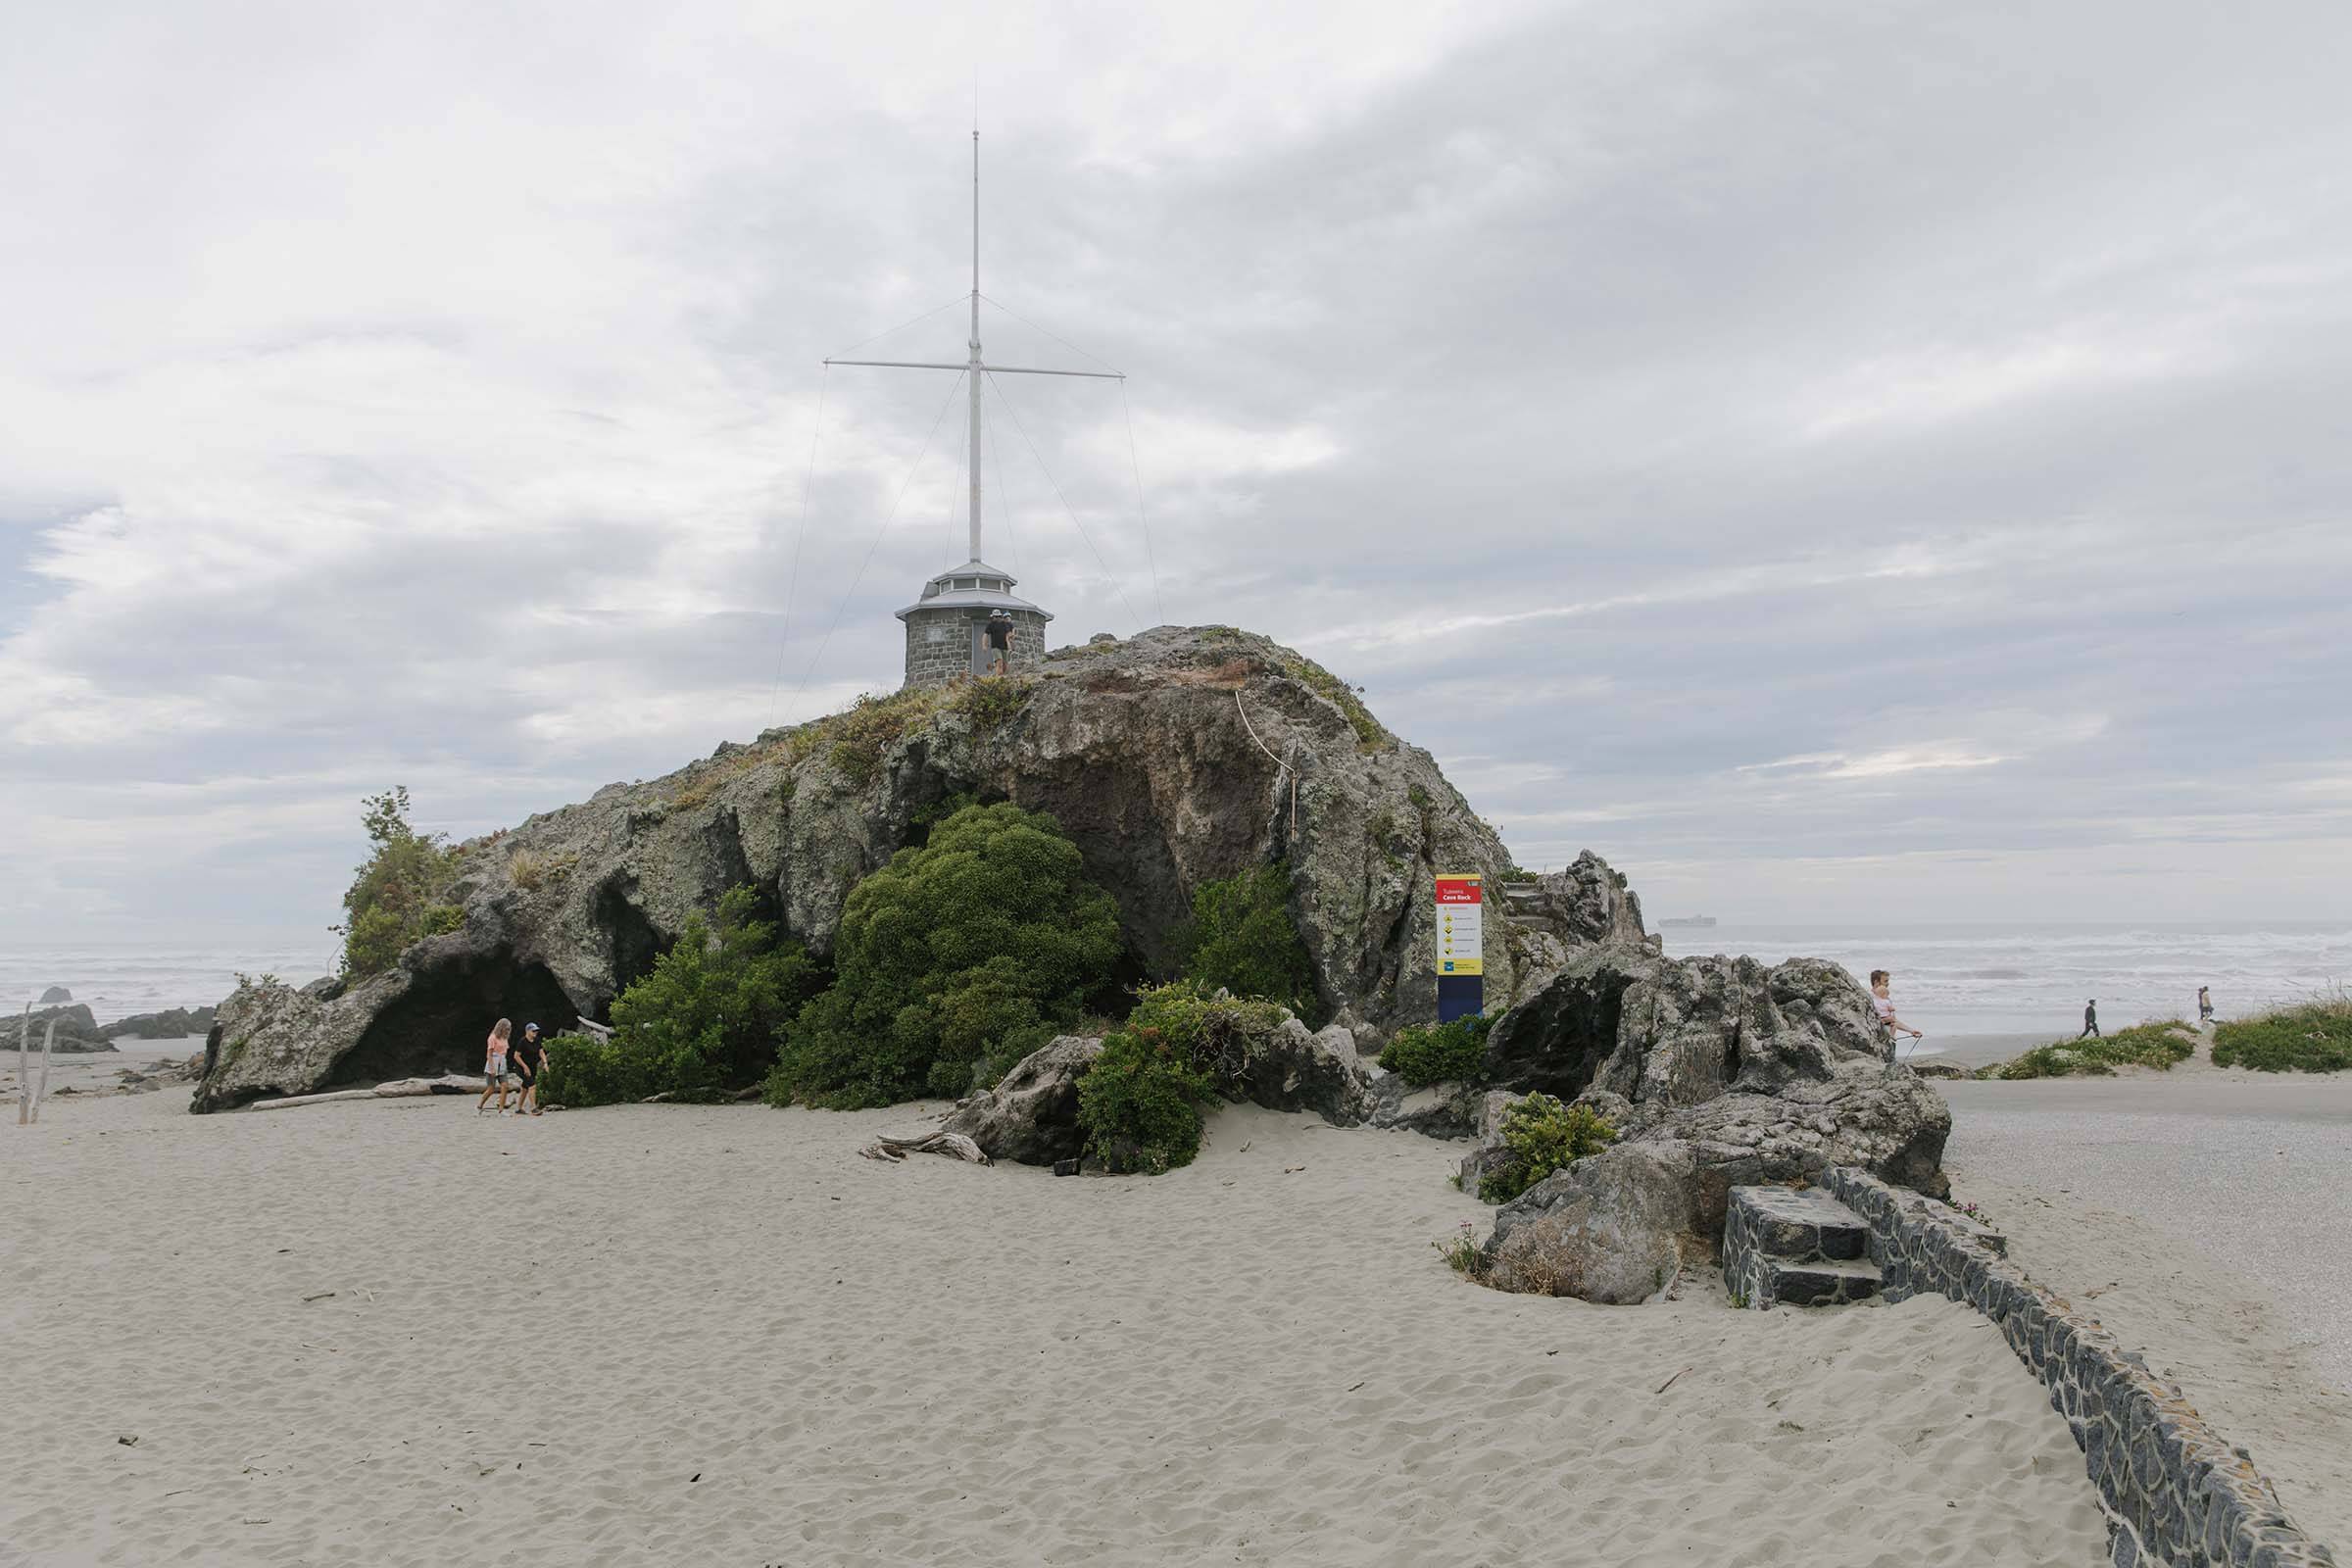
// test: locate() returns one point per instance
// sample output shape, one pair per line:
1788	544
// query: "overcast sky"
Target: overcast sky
1838	463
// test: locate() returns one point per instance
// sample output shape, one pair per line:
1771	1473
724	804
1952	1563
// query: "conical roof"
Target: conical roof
974	585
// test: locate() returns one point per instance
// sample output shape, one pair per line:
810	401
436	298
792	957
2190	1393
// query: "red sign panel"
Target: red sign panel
1458	890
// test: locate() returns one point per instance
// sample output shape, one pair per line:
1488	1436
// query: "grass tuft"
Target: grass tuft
2308	1037
2142	1045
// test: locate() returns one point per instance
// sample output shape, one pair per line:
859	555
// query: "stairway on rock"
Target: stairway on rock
1797	1246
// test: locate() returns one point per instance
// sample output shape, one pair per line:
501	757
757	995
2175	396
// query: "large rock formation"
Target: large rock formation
1718	1072
77	1029
1172	759
1030	1116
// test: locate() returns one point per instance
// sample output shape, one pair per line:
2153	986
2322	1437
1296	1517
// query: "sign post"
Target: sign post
1461	947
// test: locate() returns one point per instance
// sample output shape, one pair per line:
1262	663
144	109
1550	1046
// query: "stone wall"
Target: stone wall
2175	1492
934	663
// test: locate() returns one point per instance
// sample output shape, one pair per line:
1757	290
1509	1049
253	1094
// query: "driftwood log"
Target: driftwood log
398	1088
953	1145
28	1093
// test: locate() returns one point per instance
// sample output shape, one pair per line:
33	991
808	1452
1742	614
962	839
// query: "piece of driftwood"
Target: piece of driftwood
399	1088
25	1068
953	1145
40	1090
601	1031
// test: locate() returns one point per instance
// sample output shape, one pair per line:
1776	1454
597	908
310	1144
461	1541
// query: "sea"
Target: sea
1948	980
1956	980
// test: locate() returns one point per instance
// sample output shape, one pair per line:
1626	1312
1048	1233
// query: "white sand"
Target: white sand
2200	1214
542	1332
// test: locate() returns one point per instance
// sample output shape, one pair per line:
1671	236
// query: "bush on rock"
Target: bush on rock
1440	1052
1244	939
704	1021
400	895
952	963
1539	1136
1140	1103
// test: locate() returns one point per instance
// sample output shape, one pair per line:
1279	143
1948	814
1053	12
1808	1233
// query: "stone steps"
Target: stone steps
1798	1246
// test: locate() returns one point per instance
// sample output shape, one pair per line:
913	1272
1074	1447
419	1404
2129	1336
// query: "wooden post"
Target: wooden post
25	1068
41	1093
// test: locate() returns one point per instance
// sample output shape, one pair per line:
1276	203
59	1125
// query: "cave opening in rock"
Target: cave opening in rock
636	945
440	1023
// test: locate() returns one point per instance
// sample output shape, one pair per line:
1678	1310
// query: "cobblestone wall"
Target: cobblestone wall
2174	1492
934	663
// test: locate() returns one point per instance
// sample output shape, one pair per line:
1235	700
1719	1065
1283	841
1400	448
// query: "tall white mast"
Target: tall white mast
973	366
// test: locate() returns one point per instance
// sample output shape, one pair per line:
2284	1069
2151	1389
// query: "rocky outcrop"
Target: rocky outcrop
172	1023
1723	1073
429	1015
1030	1116
1173	758
1485	1156
54	996
1298	1070
76	1030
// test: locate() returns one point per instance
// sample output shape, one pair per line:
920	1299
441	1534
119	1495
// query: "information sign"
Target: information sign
1461	906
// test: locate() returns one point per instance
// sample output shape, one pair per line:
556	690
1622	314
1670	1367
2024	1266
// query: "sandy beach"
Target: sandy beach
401	1333
2201	1213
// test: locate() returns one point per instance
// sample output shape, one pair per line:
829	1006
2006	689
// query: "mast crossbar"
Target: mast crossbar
999	370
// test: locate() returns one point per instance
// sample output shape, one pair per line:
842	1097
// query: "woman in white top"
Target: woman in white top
1884	1006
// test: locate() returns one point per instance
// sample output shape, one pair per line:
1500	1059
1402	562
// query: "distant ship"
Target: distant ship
1690	922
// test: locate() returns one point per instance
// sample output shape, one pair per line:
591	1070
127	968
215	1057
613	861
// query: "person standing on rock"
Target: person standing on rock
494	1066
2090	1020
999	632
1884	1006
529	1059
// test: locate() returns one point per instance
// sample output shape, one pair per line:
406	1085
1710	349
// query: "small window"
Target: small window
967	582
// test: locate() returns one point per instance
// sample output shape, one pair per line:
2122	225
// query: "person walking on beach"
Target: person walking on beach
1884	1006
529	1059
494	1066
2090	1020
2204	1005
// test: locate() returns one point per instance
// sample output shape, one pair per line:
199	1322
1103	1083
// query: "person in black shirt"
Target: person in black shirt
2090	1019
527	1060
999	632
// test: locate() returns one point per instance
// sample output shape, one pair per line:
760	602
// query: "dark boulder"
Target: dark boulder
1030	1116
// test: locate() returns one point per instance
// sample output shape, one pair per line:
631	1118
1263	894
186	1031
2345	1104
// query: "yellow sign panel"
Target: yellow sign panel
1460	907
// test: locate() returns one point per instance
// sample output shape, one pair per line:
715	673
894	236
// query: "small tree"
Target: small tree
952	961
704	1021
399	894
1242	938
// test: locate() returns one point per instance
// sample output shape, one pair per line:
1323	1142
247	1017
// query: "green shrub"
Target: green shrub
584	1070
952	961
703	1023
1539	1136
1440	1052
2311	1036
1242	938
1218	1035
2142	1045
398	895
1141	1101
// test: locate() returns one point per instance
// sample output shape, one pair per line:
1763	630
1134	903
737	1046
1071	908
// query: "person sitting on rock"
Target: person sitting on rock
1884	1005
494	1066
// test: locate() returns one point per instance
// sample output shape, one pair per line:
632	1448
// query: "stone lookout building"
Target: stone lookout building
945	636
